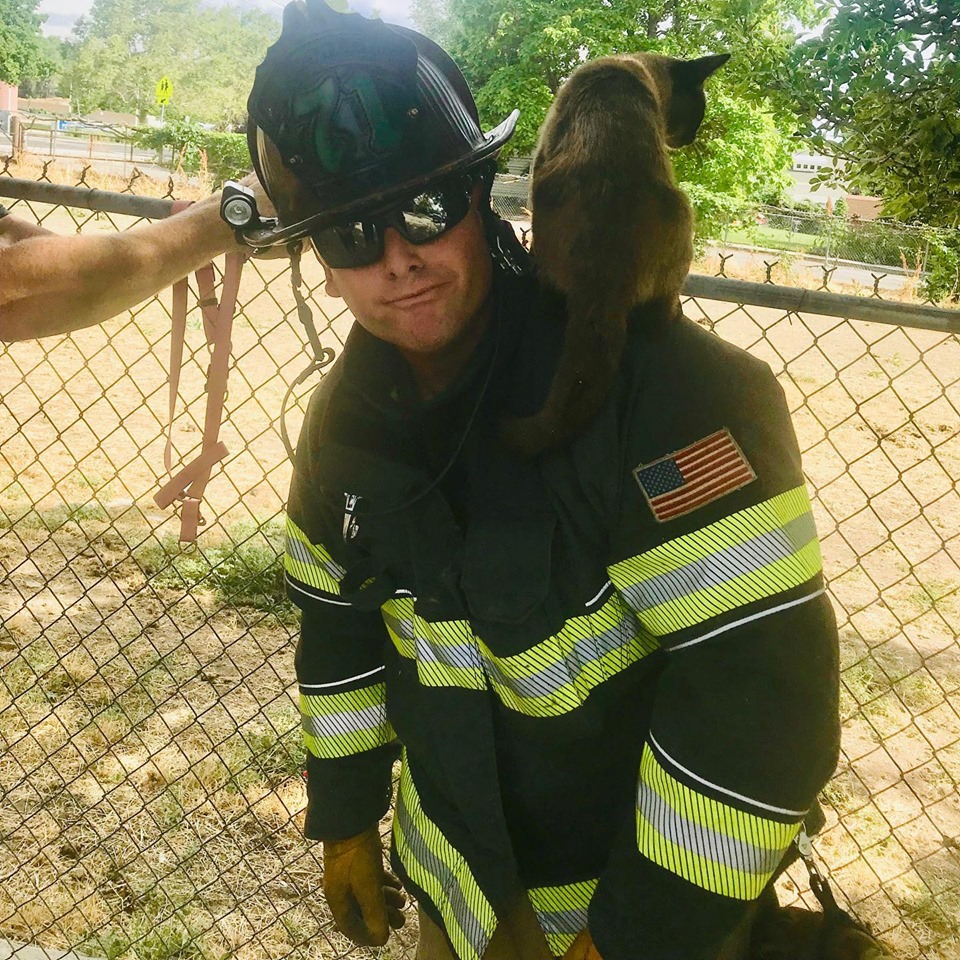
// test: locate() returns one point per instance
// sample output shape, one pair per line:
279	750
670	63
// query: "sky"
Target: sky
61	14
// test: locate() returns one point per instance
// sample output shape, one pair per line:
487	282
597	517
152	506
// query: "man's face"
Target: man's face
425	299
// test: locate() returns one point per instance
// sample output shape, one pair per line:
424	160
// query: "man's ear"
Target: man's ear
332	290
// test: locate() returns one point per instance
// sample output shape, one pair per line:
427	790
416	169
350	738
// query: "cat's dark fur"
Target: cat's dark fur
610	227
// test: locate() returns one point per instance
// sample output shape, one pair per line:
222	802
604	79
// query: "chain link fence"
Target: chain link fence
150	786
835	237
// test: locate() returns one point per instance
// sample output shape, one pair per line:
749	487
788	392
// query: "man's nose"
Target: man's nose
400	256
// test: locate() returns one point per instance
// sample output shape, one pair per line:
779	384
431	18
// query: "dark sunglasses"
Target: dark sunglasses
419	219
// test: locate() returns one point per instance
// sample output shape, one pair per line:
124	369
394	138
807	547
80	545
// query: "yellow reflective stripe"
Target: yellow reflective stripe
309	562
440	870
398	617
562	912
713	845
751	555
551	678
447	652
558	674
343	724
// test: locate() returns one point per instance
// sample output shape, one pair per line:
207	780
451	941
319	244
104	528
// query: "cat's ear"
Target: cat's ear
695	72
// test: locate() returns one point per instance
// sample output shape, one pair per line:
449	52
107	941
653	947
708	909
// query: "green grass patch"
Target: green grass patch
865	681
169	940
919	692
53	518
270	752
936	913
936	595
245	569
773	238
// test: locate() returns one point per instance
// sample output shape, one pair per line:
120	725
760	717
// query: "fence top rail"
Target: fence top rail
788	299
823	303
154	208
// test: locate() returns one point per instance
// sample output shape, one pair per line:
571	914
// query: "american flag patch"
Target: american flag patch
694	476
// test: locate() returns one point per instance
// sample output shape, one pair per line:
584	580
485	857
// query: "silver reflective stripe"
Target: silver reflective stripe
448	880
703	841
455	655
718	568
345	722
402	627
563	921
541	684
585	650
302	554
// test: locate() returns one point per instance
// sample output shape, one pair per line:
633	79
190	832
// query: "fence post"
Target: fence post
16	136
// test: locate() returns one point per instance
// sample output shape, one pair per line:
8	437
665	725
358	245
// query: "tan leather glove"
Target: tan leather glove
365	900
583	948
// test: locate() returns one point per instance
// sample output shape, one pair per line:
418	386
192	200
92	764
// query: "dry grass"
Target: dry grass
68	170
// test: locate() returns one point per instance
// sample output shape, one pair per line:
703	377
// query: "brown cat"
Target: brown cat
610	227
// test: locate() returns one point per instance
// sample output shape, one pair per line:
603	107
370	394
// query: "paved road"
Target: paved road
104	156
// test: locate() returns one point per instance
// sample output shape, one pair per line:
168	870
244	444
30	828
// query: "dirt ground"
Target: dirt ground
150	766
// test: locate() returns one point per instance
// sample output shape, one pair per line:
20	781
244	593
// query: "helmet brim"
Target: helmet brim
494	141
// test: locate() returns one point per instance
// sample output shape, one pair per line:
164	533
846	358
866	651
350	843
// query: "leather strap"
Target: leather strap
189	483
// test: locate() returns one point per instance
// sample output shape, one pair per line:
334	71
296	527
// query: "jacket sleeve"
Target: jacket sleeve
744	730
340	665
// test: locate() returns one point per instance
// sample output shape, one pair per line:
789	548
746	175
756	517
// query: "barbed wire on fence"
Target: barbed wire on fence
150	773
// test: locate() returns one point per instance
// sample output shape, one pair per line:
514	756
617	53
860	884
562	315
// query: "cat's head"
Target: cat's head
680	84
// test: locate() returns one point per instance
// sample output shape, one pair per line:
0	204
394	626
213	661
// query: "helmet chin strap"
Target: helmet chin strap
505	247
322	356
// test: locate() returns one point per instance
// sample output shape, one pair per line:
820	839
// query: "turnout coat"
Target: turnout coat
610	673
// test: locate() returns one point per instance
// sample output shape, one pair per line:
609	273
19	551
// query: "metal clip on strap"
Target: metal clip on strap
819	884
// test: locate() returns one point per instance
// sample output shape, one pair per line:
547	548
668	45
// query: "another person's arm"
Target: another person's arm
14	230
52	284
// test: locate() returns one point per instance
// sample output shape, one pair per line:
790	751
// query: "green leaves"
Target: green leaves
210	53
22	52
516	54
884	78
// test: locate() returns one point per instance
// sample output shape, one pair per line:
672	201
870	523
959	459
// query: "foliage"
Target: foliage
883	84
516	53
22	51
119	53
876	242
739	157
224	155
941	281
43	79
244	570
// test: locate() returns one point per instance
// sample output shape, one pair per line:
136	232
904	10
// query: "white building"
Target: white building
804	168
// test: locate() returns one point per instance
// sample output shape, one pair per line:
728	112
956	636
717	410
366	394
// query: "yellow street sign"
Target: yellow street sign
164	91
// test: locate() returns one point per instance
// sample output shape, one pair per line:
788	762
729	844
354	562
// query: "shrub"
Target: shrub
223	155
942	267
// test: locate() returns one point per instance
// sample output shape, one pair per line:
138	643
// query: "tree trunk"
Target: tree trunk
653	22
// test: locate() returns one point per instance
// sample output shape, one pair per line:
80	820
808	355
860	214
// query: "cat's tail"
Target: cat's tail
586	370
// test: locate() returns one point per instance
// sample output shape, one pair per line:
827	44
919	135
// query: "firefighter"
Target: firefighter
609	674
